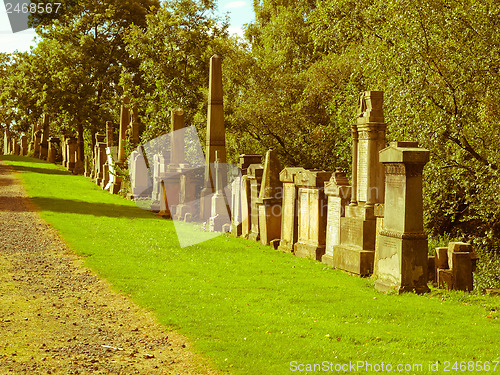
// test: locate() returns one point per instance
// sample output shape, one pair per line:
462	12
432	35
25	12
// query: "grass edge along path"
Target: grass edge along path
251	309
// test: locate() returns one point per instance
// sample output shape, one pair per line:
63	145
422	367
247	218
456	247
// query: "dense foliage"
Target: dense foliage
292	84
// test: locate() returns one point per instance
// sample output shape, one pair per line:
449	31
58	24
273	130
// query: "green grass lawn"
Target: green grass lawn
249	308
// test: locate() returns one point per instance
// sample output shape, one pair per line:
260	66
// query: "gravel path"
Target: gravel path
57	317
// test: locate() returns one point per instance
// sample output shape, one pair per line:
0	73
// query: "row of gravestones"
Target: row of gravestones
373	225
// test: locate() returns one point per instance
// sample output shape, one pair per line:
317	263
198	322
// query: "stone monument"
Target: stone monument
356	251
402	252
240	201
289	216
312	209
270	198
216	139
254	176
339	196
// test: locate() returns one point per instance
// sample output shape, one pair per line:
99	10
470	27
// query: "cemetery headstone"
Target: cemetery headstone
338	191
270	199
402	252
254	175
312	210
290	216
241	205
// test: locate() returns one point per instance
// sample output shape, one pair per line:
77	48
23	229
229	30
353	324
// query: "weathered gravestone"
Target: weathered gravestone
139	175
270	197
24	145
402	248
15	146
6	141
38	139
454	266
255	172
44	141
100	158
289	214
72	149
216	138
312	210
339	194
240	197
358	228
52	153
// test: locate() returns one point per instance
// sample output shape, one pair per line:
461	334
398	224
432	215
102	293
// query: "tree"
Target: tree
174	51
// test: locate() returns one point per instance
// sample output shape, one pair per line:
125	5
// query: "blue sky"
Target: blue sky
240	12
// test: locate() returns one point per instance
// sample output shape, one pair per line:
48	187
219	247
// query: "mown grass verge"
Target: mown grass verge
251	309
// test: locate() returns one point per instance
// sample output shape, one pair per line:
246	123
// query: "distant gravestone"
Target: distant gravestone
100	157
402	252
270	198
289	216
44	142
52	153
312	210
24	145
72	150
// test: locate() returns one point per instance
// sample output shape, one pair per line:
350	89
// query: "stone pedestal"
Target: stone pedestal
185	210
338	192
402	253
312	210
289	213
254	175
356	251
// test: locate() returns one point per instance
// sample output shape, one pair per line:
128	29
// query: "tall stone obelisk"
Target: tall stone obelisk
216	139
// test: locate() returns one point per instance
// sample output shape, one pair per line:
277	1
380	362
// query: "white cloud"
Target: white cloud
235	4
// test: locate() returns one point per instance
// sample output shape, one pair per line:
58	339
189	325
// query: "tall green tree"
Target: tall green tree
174	51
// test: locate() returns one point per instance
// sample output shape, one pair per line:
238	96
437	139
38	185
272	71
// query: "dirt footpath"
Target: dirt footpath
57	317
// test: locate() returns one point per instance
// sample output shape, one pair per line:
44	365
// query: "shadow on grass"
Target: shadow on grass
22	158
20	168
96	209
